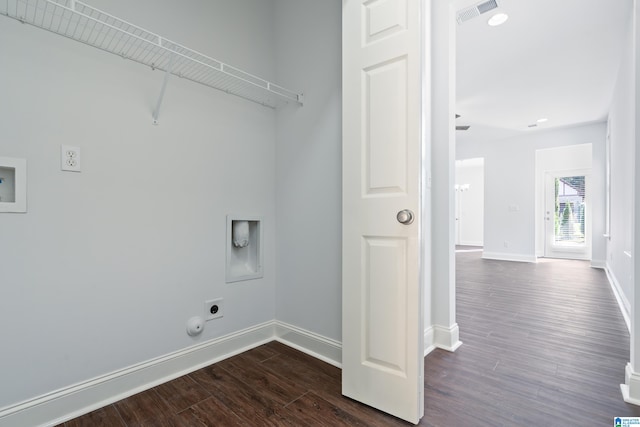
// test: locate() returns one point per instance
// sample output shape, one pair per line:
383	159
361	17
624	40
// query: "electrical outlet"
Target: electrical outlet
70	158
213	309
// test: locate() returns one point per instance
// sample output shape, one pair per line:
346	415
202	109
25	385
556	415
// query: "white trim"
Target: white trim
631	388
67	403
461	251
447	338
598	263
471	243
429	345
315	345
623	302
509	257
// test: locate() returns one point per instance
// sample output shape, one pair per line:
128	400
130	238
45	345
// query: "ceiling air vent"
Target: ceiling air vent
471	12
487	6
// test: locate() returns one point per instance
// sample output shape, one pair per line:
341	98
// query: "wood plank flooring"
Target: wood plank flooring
544	345
271	385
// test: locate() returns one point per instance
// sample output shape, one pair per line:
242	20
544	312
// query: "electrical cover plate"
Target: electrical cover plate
70	158
209	312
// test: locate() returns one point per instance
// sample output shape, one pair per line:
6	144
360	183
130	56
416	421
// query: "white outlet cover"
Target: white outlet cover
70	158
207	309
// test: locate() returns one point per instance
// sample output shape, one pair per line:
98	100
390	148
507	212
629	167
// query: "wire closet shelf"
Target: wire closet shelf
88	25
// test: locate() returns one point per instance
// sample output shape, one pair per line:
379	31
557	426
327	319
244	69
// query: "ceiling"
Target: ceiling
555	59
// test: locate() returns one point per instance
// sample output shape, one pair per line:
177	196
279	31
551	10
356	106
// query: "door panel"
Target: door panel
384	18
384	345
382	296
385	104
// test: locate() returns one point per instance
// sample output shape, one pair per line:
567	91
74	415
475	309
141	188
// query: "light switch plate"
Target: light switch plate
70	158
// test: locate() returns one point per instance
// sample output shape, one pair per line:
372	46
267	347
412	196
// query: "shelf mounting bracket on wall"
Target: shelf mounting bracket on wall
156	112
81	22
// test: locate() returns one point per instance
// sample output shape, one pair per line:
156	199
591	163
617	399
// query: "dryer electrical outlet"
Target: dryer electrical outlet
70	158
213	309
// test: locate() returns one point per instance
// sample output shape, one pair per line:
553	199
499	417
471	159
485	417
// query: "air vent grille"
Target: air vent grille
487	6
465	15
471	12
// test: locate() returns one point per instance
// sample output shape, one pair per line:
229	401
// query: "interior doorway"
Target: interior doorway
469	204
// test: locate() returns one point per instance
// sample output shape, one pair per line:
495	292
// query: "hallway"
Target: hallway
543	344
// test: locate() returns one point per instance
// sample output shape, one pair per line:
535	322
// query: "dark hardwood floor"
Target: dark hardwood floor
272	385
544	345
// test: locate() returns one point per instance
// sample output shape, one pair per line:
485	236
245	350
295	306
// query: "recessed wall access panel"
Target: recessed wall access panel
244	248
13	185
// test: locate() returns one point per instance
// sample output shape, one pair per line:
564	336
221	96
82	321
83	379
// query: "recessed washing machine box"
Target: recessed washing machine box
244	248
13	185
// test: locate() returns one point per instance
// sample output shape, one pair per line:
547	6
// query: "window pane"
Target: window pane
570	211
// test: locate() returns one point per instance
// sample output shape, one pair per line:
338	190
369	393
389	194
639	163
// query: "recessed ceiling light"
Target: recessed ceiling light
542	120
498	19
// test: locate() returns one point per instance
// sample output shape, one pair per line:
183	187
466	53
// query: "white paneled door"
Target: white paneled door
382	333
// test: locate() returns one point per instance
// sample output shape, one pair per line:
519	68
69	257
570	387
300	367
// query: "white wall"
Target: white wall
510	184
309	167
622	137
471	201
107	265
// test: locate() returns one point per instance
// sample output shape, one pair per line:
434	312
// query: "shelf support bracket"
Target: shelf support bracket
156	112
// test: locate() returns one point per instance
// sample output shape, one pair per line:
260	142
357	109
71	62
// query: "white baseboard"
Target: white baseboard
56	407
315	345
509	257
623	302
598	263
471	243
429	345
446	337
631	388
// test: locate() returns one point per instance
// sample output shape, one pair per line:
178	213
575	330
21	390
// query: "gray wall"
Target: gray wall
107	265
309	167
